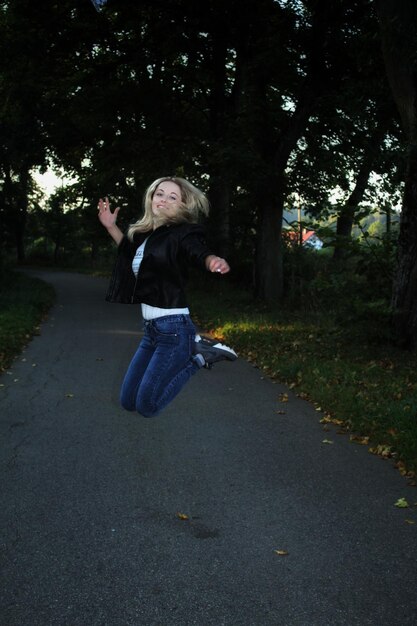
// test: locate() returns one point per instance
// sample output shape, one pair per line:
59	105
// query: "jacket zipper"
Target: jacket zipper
137	275
132	299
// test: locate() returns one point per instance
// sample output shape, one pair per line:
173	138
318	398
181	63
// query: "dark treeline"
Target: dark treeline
256	101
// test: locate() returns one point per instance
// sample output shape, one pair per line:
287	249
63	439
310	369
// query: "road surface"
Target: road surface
112	519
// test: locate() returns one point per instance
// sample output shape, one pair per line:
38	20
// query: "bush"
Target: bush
23	302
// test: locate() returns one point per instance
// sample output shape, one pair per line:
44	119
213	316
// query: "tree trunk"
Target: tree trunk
18	206
57	249
219	223
346	216
404	293
20	246
269	279
388	220
219	121
398	25
275	153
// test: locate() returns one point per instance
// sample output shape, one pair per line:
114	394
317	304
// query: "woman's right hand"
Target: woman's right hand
106	217
109	219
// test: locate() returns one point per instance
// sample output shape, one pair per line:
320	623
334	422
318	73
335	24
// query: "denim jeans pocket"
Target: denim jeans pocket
166	332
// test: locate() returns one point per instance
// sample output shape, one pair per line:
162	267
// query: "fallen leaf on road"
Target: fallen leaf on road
381	450
402	503
283	397
69	395
327	441
409	521
363	441
182	516
281	552
328	419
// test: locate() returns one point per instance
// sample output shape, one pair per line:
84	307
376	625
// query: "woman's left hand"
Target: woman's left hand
217	264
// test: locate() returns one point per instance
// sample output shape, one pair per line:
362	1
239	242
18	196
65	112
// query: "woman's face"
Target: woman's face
166	200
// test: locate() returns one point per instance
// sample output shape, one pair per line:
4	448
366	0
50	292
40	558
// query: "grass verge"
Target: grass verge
362	384
24	300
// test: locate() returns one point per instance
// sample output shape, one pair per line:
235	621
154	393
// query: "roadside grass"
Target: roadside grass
357	380
24	300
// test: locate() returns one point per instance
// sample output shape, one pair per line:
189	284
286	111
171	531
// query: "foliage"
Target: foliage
23	302
193	101
257	103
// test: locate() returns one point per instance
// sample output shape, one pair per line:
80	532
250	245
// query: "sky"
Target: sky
49	181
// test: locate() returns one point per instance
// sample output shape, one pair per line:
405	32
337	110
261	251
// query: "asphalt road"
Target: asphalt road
91	495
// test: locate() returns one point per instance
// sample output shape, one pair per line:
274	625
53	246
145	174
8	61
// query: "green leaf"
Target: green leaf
402	503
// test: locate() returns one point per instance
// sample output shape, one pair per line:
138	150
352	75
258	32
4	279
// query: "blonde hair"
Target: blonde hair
193	202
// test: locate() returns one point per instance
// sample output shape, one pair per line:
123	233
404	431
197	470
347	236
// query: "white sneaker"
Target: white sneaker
213	351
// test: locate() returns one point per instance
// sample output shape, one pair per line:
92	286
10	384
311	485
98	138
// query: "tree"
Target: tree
22	137
246	99
280	111
346	217
398	27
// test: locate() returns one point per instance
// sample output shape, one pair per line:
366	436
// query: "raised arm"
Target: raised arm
109	219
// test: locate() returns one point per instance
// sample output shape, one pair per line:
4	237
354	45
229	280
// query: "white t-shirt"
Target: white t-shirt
138	257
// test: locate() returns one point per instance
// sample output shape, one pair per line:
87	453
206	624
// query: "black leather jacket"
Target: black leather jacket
162	274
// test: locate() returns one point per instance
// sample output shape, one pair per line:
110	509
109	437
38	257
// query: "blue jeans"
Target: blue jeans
163	363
